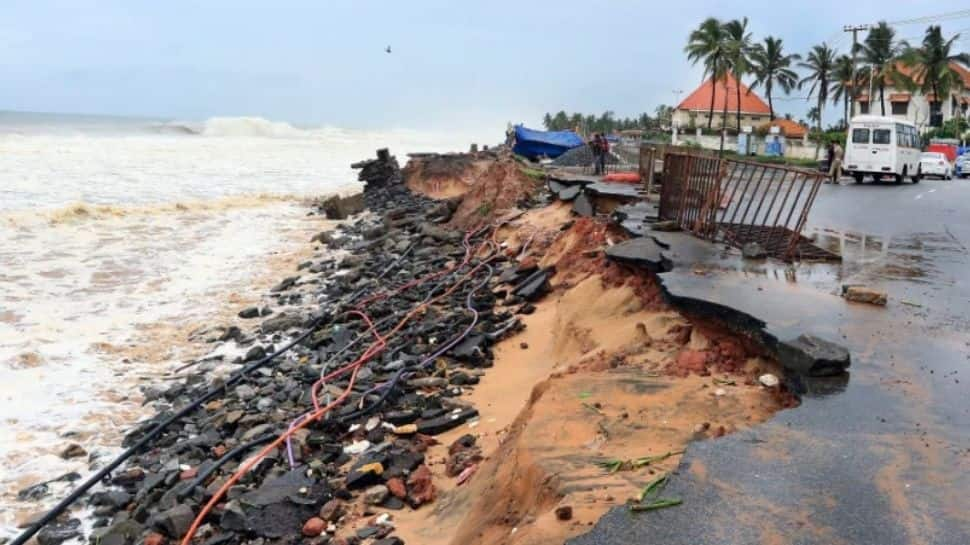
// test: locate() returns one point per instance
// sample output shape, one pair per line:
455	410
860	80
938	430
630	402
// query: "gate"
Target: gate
741	201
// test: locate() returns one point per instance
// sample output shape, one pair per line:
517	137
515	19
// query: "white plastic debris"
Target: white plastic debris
768	380
357	447
372	423
384	519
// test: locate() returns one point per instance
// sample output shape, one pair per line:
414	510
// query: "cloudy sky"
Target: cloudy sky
471	64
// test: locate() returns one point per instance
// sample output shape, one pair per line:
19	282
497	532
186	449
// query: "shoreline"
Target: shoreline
405	461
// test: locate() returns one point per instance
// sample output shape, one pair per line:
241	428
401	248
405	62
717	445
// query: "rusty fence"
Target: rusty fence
739	201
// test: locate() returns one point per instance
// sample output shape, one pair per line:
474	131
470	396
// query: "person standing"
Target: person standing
604	151
835	168
596	148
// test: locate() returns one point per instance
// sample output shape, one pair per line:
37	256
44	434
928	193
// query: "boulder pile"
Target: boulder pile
380	172
423	301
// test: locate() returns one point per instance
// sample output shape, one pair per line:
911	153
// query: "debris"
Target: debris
564	512
376	494
753	250
863	294
813	356
642	252
612	466
768	380
658	504
583	206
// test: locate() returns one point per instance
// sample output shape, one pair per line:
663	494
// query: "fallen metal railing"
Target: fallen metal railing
739	201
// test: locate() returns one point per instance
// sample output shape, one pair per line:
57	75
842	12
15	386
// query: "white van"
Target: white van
882	147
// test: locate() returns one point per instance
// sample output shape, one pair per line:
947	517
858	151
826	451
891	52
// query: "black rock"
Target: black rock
399	418
535	285
286	284
175	521
58	532
251	312
446	422
813	356
469	348
281	322
257	352
112	498
392	540
33	492
124	532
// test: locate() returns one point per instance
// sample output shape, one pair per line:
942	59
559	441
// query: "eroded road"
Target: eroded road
880	456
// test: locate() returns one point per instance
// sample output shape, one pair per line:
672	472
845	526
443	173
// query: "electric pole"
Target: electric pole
854	29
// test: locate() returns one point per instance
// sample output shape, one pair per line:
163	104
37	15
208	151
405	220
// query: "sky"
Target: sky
453	64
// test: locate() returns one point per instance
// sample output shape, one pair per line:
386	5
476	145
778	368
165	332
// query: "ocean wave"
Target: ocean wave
251	126
81	211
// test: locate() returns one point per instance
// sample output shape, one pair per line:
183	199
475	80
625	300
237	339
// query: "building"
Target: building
693	111
924	111
786	127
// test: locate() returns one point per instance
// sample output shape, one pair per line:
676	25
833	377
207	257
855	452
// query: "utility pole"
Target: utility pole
854	29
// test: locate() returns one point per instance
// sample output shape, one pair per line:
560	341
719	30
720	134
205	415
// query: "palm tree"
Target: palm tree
738	48
772	67
844	81
932	71
707	44
880	52
813	114
819	62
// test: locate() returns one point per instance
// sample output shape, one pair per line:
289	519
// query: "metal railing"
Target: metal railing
741	201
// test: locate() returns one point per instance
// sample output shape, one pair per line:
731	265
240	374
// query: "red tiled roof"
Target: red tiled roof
899	97
700	99
789	128
907	71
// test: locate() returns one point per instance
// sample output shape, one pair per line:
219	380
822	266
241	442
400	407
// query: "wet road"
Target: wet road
880	456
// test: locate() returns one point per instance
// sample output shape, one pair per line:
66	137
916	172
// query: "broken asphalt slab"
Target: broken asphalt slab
643	252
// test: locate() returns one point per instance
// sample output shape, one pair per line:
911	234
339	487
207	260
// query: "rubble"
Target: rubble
864	294
380	172
813	356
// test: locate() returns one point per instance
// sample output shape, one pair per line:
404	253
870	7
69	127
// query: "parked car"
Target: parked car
934	163
962	166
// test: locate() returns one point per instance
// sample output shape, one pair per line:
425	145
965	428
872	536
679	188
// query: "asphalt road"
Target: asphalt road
879	456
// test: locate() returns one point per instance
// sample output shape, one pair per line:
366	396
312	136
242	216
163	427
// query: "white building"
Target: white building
924	111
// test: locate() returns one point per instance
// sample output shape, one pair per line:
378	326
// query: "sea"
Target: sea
119	238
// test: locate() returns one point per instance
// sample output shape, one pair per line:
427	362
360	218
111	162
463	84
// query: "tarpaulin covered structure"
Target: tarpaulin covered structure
533	144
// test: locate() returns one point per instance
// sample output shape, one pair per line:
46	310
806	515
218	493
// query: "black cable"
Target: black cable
151	435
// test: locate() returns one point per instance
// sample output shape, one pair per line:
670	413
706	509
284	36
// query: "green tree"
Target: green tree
739	48
708	45
771	66
880	52
931	65
843	82
547	121
664	115
819	63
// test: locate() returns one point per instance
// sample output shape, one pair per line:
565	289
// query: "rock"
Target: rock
33	492
768	380
396	487
524	345
58	532
376	494
813	356
564	512
392	540
323	237
464	442
535	285
113	498
174	522
439	233
332	510
469	349
446	422
245	392
251	312
340	208
281	322
154	538
314	527
863	294
73	450
286	284
254	354
364	476
753	250
428	382
583	206
421	489
643	252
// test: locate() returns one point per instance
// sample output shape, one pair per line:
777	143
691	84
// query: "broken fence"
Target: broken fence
741	201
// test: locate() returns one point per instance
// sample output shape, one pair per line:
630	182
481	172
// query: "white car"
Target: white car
933	163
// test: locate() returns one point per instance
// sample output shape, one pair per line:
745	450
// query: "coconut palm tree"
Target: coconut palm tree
880	51
819	63
931	65
772	67
738	46
707	44
844	80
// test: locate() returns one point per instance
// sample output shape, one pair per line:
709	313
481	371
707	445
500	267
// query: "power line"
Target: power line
931	18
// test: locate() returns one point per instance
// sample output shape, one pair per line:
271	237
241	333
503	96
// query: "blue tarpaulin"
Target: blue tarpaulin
552	144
